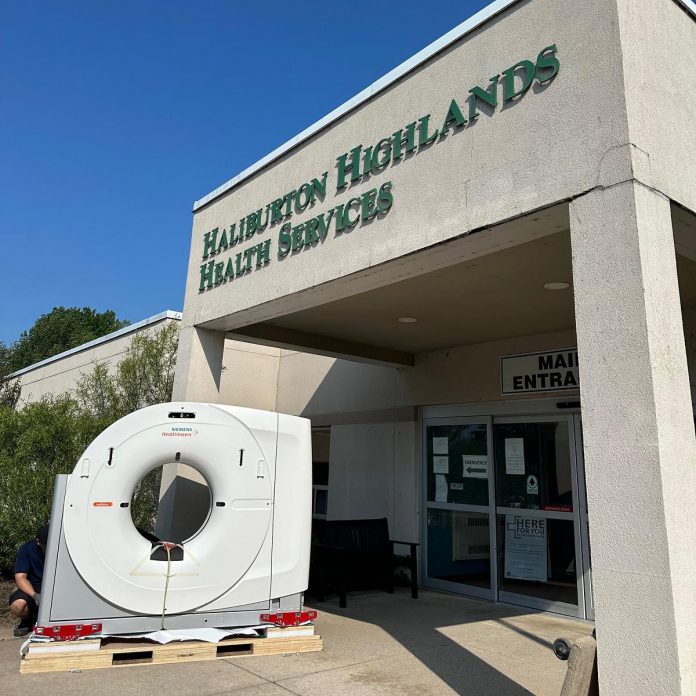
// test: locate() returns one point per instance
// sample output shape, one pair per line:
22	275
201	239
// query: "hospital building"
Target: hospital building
477	279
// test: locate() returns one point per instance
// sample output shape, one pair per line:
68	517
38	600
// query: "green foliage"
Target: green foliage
61	329
46	438
145	376
9	388
146	500
5	360
36	443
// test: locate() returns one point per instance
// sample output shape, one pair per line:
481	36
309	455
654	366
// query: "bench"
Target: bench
357	554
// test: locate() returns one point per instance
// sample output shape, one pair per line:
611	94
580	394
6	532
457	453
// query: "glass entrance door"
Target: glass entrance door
505	511
459	539
540	557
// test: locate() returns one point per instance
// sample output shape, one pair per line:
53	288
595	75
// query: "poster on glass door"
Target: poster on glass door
525	548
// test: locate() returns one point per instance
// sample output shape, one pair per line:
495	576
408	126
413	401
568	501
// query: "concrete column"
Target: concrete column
199	365
640	450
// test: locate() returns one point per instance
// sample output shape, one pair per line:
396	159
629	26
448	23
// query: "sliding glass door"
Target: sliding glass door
458	492
505	513
537	520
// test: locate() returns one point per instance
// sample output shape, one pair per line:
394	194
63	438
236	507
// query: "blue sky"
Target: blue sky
116	116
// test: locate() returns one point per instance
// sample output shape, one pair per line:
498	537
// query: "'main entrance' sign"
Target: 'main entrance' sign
224	259
534	372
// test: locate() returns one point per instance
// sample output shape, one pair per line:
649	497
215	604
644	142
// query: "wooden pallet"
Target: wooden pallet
76	656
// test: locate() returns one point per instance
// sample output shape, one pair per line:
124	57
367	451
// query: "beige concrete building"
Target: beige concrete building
420	271
61	373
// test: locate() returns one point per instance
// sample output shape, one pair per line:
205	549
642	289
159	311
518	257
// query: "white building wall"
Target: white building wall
658	40
361	471
638	436
61	373
250	376
374	467
372	410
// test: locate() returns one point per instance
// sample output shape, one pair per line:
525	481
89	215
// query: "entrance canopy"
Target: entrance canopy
484	286
511	280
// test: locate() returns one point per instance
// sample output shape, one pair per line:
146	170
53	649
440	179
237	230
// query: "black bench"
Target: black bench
356	554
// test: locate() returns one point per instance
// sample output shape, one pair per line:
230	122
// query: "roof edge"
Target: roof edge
689	6
167	314
382	83
377	86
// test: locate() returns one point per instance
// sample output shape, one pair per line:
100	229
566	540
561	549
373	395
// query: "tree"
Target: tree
5	360
46	438
59	330
144	377
9	388
37	442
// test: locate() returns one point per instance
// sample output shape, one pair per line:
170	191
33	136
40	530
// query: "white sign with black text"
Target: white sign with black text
538	372
514	455
525	548
475	466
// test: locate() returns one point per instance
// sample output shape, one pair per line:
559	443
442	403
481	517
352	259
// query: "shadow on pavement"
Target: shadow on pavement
417	625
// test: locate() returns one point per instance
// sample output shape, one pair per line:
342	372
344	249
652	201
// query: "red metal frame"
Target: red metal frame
68	631
289	618
63	632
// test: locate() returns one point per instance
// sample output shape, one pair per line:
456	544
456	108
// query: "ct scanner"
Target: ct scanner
249	560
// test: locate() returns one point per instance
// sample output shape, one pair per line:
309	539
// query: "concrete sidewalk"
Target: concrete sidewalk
381	644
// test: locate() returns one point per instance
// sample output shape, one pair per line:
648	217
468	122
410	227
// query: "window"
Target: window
320	473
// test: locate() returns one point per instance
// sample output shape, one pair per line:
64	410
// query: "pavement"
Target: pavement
380	644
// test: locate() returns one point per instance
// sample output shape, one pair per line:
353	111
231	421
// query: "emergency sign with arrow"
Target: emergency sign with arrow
475	466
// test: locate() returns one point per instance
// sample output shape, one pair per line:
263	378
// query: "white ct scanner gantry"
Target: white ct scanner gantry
248	563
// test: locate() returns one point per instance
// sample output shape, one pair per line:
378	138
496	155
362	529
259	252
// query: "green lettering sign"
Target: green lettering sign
352	167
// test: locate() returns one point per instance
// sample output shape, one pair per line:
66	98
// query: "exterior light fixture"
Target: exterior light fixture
556	286
407	320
